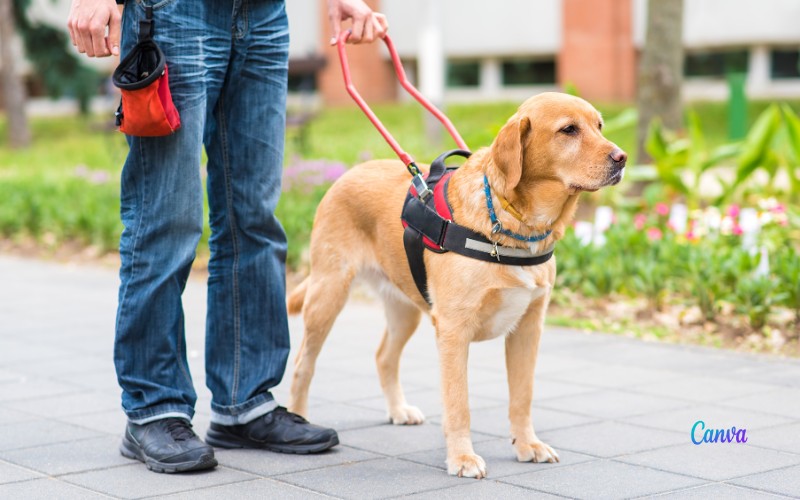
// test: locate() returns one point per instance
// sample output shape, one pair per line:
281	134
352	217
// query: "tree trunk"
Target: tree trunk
14	97
660	70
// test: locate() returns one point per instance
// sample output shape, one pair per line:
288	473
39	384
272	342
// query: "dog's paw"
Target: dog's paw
406	415
536	451
470	465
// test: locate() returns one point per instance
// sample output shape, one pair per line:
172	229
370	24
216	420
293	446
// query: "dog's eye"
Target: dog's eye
570	130
600	125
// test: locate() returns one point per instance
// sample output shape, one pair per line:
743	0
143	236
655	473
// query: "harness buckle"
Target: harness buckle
423	191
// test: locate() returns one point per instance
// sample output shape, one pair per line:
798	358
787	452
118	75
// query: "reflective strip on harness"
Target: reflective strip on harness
520	253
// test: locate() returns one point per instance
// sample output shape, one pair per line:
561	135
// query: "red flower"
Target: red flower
639	221
654	234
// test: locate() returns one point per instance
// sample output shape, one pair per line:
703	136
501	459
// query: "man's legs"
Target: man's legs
247	334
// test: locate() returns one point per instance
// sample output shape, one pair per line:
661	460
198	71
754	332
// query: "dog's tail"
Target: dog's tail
295	301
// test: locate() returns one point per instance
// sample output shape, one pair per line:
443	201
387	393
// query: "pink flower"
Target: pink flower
690	235
779	209
733	211
662	209
639	221
654	234
737	229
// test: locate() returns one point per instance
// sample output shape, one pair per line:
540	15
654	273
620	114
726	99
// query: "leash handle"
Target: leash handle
401	76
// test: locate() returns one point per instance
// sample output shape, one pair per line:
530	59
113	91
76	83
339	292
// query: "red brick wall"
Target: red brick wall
372	74
597	52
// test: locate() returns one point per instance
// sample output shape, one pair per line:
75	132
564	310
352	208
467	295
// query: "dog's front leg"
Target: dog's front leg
522	347
462	461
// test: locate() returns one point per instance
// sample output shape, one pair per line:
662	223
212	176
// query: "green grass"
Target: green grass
65	187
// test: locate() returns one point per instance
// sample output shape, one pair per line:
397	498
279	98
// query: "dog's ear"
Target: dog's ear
508	150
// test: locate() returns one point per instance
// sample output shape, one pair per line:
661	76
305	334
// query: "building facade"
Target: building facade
508	49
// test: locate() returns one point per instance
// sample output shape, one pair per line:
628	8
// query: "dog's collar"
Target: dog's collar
497	226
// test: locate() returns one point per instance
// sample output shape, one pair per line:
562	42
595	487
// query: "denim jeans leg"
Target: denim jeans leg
162	214
247	335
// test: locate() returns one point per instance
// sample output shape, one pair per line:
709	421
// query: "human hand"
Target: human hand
87	23
367	25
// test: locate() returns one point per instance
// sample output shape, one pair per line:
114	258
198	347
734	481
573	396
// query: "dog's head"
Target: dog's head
556	137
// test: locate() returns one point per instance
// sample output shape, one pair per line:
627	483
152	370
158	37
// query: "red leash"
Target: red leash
401	75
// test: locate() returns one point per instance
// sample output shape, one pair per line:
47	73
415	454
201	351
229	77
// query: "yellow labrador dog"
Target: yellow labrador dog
547	153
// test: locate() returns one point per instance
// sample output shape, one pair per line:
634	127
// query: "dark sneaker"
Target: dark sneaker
167	445
279	430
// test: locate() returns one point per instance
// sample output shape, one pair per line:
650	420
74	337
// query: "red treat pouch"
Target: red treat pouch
146	109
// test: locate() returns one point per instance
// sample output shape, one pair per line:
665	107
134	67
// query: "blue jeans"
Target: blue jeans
227	63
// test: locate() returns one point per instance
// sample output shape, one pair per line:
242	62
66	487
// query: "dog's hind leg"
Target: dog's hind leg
324	300
402	319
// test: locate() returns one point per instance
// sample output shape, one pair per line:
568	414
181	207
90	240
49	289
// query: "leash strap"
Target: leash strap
406	158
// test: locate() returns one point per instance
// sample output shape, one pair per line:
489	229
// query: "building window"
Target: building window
785	63
463	74
715	64
528	72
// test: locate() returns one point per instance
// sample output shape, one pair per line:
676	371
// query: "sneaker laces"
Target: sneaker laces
179	429
280	411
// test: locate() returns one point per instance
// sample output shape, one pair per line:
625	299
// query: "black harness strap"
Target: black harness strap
423	221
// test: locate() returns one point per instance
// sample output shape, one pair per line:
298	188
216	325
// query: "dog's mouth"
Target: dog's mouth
611	180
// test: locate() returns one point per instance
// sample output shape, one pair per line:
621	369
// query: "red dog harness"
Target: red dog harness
428	222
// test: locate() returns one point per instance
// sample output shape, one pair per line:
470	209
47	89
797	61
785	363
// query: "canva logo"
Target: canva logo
702	435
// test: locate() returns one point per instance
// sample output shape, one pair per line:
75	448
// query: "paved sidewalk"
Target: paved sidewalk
619	412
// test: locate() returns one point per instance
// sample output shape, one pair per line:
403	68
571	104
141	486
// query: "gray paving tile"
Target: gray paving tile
718	491
135	481
612	404
614	376
544	388
783	481
427	400
682	420
65	458
713	461
500	458
10	375
704	389
11	473
98	381
610	439
342	416
79	363
382	478
784	438
256	489
485	488
602	479
33	388
46	489
67	405
782	402
10	416
494	421
40	432
107	422
396	440
268	464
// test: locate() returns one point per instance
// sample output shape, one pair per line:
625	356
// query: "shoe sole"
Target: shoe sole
219	440
130	450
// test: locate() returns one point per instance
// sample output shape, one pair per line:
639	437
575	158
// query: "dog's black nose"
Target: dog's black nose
619	157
